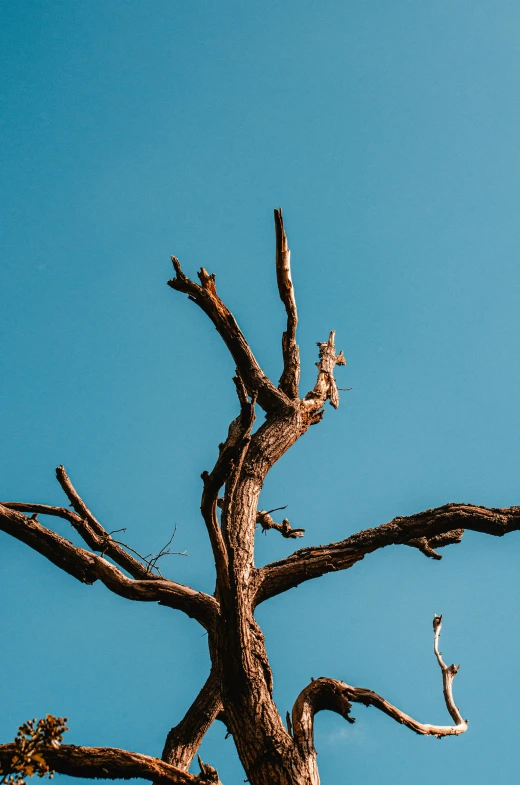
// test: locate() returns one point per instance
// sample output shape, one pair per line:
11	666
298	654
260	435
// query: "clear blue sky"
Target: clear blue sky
390	134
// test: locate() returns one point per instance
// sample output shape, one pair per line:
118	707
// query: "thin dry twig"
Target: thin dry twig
151	559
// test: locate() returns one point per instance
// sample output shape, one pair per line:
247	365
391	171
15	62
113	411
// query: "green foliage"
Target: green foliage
33	737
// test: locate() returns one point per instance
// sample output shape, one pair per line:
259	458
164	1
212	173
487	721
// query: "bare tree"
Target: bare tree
238	690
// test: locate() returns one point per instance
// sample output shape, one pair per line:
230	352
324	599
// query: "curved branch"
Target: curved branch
88	568
184	739
333	695
205	295
290	378
440	526
108	763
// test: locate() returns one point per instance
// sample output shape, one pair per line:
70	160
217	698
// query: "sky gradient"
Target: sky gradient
389	133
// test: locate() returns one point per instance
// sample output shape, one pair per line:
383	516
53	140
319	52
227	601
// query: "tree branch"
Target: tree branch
108	763
334	695
290	378
263	518
95	535
230	453
205	295
326	387
184	739
437	527
88	568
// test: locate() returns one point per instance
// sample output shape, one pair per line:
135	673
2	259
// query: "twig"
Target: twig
151	563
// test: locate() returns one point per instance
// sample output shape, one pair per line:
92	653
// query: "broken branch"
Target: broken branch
264	520
326	387
205	295
290	377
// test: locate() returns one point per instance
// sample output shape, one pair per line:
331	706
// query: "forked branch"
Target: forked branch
425	530
290	378
333	695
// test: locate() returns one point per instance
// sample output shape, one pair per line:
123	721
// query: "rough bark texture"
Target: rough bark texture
238	690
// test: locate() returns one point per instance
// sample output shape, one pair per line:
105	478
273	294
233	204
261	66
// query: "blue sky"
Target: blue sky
389	133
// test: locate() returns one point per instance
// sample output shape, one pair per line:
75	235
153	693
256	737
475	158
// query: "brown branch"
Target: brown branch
87	526
263	518
205	295
108	763
230	453
184	739
290	378
438	527
95	535
326	387
88	568
91	531
334	695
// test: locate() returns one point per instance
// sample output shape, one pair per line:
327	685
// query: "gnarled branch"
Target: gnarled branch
333	695
290	378
109	763
427	545
437	527
205	295
88	568
326	387
264	519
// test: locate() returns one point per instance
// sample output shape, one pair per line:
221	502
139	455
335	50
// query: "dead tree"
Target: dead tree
238	690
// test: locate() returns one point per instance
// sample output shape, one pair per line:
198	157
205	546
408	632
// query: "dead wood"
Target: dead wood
239	688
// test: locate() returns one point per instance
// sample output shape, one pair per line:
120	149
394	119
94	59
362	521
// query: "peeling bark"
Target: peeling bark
183	740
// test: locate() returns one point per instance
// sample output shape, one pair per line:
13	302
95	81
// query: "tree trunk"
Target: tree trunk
267	750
